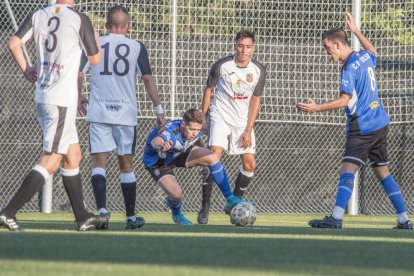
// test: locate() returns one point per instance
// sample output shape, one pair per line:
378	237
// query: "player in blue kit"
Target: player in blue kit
367	123
178	144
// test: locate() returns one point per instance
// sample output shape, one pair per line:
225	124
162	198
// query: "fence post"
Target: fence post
47	192
173	57
353	206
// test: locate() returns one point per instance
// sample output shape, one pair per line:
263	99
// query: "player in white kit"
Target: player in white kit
112	111
238	82
60	34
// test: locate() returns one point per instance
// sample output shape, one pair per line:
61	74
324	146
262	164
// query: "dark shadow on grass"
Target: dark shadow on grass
266	253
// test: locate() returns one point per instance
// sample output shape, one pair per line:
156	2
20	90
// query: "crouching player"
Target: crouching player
178	144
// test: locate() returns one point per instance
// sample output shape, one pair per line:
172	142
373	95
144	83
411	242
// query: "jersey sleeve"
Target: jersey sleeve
84	64
25	30
347	85
214	75
373	57
143	61
87	36
168	136
258	90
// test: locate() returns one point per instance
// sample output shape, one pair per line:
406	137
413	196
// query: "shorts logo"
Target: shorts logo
249	77
157	172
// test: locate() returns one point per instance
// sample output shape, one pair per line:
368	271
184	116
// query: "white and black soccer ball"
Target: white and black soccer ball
243	214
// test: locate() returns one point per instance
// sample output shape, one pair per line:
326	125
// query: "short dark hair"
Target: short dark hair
193	115
244	34
336	34
115	19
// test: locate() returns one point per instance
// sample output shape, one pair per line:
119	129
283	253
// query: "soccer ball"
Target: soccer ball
243	214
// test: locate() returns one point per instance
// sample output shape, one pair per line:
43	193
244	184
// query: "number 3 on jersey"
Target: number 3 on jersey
121	57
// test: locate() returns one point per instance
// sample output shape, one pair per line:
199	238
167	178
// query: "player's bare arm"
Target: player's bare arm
151	89
311	106
246	139
354	29
82	100
205	105
96	59
15	48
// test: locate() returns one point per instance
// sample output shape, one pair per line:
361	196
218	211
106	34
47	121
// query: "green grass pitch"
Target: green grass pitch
278	244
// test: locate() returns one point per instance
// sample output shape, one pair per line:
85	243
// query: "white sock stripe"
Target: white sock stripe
248	174
98	170
42	171
345	188
219	170
72	172
128	177
394	193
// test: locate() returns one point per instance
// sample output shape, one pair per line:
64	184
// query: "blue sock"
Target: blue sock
219	175
345	187
174	206
394	193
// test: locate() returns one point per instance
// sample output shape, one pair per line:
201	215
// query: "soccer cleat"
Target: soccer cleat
104	217
405	225
231	201
326	222
203	213
139	222
91	222
180	219
9	223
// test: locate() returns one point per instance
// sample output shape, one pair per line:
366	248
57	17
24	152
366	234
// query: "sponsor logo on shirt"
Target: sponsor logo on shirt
113	107
249	77
53	66
374	105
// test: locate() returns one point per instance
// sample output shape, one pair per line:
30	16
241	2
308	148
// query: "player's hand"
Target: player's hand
165	146
351	22
310	106
30	74
82	105
161	121
246	140
204	173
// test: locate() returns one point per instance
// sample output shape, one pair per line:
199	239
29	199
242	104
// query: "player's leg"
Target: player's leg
379	159
203	157
218	141
356	152
98	180
248	159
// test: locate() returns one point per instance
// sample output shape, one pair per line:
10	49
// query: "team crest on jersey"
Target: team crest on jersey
113	107
157	172
57	10
249	77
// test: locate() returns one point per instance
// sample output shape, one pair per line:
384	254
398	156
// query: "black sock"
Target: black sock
99	190
33	182
207	188
73	187
242	181
129	191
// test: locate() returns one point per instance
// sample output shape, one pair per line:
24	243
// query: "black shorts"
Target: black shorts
359	148
160	170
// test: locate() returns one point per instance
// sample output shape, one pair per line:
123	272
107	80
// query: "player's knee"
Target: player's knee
249	166
212	159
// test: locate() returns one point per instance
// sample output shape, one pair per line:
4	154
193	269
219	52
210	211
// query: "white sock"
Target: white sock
102	211
403	217
133	218
338	213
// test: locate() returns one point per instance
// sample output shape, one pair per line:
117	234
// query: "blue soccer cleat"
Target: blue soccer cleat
180	219
232	201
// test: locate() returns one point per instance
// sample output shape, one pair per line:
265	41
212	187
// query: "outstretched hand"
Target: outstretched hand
351	22
161	121
30	74
310	106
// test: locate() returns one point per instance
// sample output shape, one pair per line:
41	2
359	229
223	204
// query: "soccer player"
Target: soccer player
367	124
112	111
178	144
238	82
60	35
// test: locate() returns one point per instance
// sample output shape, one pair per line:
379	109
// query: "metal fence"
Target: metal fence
298	154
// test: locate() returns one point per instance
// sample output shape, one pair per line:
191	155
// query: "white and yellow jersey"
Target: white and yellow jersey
234	87
113	98
60	35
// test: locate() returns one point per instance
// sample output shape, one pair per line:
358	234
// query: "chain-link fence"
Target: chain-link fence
298	154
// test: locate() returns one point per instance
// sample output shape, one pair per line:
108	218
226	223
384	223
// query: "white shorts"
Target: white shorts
228	137
107	137
58	124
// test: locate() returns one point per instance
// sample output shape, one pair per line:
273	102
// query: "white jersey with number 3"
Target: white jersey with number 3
113	97
61	34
